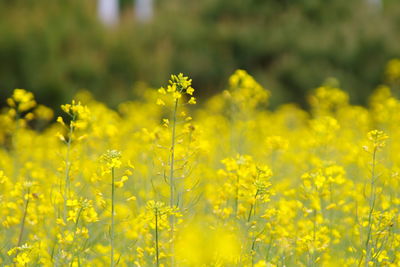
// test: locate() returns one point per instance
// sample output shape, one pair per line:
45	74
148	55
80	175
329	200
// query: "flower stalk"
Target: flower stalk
156	234
112	217
22	225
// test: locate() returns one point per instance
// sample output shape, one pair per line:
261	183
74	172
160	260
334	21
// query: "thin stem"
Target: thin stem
252	206
112	218
313	256
251	210
156	232
330	216
73	240
22	227
172	159
372	201
68	168
269	248
171	177
253	245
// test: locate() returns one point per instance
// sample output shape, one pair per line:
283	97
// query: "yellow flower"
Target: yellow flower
377	138
192	100
120	183
190	91
177	95
160	102
23	99
393	70
112	159
162	91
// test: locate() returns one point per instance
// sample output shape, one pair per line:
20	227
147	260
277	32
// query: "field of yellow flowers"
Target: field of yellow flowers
162	181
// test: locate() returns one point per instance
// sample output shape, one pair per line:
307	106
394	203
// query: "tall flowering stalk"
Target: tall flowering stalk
179	85
377	142
78	120
26	195
112	159
21	106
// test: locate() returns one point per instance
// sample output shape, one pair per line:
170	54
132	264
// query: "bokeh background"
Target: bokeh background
117	48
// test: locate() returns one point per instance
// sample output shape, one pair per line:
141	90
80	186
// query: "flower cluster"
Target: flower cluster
178	85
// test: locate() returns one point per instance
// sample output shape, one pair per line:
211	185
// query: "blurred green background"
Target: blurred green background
55	47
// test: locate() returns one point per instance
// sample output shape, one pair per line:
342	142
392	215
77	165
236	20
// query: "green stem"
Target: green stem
268	248
252	206
372	201
68	168
22	227
171	178
251	210
172	159
73	240
253	245
156	232
314	237
112	218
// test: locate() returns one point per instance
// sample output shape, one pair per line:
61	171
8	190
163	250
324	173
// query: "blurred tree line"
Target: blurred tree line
54	48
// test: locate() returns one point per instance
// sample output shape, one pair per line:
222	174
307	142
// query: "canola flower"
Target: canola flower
224	182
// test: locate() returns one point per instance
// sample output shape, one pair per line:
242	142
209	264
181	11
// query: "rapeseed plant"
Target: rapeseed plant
224	182
112	161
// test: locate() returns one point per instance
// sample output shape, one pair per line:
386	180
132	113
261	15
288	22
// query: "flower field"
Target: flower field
168	180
